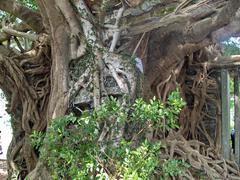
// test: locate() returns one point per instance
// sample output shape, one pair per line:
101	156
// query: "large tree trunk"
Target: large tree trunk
51	80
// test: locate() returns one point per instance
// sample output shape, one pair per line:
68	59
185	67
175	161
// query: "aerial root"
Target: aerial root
27	86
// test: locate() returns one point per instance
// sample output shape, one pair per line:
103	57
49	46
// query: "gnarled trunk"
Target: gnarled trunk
77	60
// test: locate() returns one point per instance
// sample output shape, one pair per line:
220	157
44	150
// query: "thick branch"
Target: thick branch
227	31
194	23
13	32
59	30
33	19
22	27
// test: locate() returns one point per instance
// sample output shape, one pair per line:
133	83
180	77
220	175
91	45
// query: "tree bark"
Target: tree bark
47	80
33	19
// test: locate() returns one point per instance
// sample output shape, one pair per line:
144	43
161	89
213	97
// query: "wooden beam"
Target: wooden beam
225	94
237	116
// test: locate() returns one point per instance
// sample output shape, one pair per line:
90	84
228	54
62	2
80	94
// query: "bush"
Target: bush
71	149
37	139
174	167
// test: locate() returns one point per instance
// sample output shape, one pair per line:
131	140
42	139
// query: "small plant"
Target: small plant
140	163
156	113
174	106
111	109
153	111
174	167
37	139
71	147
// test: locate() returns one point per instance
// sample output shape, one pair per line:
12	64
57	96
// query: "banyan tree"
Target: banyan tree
58	57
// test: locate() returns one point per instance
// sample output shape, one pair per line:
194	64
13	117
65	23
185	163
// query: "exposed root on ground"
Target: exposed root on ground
202	158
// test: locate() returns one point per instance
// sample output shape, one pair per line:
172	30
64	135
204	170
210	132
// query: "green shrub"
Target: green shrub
156	113
37	139
111	109
71	149
141	163
173	168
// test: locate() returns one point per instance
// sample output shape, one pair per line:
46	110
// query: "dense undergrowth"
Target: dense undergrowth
72	147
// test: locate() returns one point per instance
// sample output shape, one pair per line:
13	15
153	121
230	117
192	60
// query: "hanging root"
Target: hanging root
199	139
25	81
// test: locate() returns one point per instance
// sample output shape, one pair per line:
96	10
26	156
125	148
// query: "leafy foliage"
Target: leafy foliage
29	3
37	139
71	149
111	109
152	111
142	162
231	47
158	114
174	167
